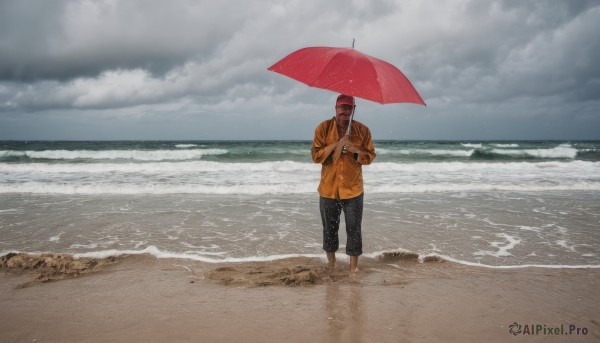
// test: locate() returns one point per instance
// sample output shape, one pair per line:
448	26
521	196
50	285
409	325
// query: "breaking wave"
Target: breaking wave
137	155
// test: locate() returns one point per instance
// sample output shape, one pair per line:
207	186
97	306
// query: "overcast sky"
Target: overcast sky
182	70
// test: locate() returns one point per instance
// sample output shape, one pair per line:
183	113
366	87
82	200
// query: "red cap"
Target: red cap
344	99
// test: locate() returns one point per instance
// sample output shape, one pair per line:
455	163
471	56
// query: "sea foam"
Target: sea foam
139	155
156	252
288	177
562	151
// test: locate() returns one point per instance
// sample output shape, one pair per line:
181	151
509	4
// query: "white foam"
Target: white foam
278	177
10	210
158	167
520	266
430	152
184	146
422	257
459	188
249	189
563	243
561	151
506	145
154	251
583	167
55	238
571	166
258	189
139	155
471	145
530	228
84	246
503	250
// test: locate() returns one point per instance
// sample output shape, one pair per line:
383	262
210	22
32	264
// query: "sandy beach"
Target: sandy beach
139	298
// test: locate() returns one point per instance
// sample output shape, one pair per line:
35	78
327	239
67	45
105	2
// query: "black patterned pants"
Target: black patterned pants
331	210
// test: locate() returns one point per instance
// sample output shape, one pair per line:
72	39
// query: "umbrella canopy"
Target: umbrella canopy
348	71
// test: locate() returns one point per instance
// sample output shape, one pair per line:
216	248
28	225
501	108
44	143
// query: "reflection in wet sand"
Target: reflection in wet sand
345	312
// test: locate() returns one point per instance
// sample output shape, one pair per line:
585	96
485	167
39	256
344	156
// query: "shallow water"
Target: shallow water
489	228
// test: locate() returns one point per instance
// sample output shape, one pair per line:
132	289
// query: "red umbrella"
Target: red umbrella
348	71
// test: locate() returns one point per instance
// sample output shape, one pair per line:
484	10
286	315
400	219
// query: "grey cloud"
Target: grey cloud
146	61
207	52
514	51
68	39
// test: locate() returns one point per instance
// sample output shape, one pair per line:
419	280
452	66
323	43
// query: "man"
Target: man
341	186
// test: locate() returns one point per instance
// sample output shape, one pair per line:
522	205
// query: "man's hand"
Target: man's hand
343	142
351	148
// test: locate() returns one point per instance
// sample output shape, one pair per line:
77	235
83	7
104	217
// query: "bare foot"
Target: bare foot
353	264
332	260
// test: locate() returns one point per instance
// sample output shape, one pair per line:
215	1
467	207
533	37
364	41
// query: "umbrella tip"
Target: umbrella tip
353	43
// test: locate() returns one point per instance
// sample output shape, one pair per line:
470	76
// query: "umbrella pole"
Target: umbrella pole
350	123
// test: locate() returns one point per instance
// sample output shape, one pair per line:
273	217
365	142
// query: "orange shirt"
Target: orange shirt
342	179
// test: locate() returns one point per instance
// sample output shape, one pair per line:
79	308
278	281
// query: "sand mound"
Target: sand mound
397	256
286	273
49	267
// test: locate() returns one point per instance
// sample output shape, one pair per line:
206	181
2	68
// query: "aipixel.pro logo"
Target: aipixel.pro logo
546	330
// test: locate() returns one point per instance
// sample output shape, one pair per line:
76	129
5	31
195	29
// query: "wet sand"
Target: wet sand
144	299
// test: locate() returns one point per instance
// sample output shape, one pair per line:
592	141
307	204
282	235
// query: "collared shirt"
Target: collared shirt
342	179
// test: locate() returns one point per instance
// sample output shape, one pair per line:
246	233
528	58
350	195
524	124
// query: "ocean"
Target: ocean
503	204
